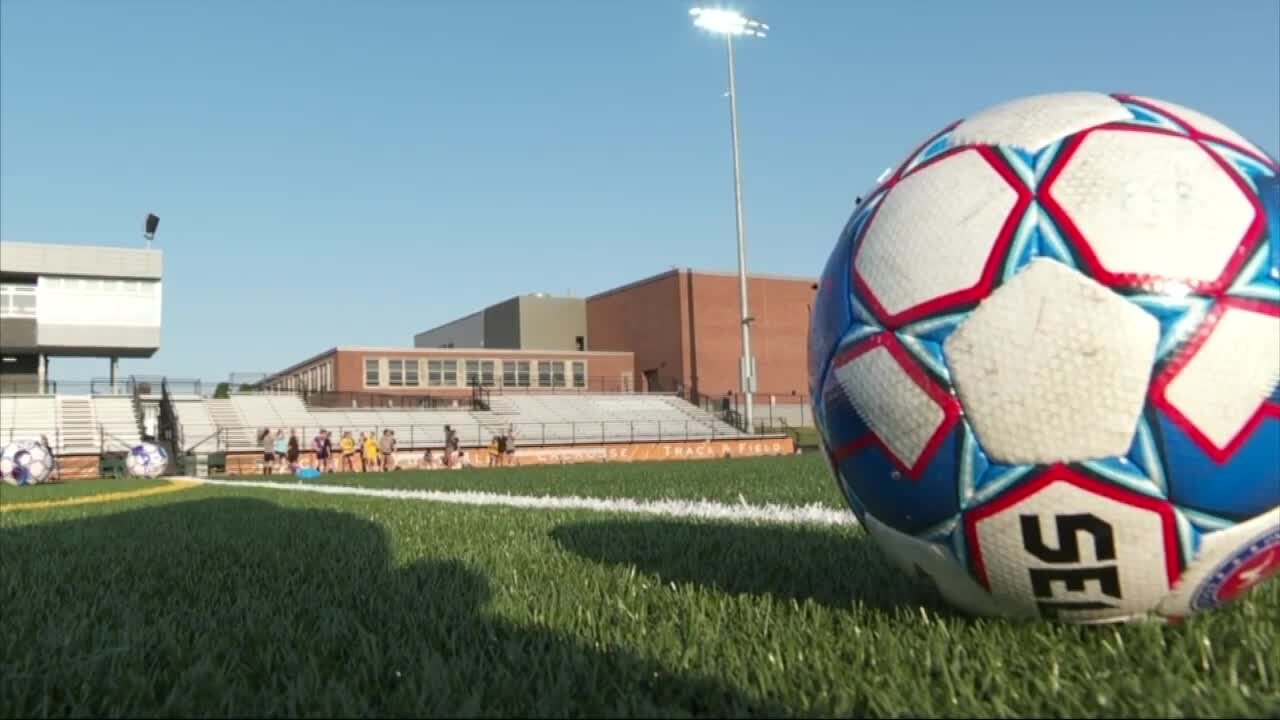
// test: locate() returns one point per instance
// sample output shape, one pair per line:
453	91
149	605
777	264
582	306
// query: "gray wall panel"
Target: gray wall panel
466	332
99	339
17	333
552	323
502	325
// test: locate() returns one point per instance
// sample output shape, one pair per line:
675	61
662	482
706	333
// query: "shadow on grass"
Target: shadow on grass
244	608
832	568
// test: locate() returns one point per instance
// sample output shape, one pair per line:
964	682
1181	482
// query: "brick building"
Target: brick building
684	329
363	373
676	331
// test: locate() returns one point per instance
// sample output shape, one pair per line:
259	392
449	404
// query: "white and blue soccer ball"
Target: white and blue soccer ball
147	460
1044	359
25	462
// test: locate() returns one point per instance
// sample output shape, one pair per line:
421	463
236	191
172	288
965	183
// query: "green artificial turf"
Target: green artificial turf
13	495
788	480
224	601
805	437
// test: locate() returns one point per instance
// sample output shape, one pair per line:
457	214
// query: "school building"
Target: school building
678	331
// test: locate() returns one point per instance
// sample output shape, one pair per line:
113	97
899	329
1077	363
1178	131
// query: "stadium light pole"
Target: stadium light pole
730	23
149	228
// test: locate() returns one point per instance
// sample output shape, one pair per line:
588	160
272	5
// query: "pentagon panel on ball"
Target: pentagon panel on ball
1045	355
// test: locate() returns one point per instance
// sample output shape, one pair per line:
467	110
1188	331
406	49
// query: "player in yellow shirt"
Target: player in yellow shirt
493	451
370	452
348	445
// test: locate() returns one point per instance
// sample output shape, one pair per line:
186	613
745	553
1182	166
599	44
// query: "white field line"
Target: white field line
814	514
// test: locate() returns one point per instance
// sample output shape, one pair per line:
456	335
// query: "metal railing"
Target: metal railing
567	385
339	400
130	385
14	434
410	436
479	434
771	409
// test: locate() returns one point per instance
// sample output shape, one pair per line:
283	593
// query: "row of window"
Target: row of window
66	298
314	378
405	372
17	301
100	285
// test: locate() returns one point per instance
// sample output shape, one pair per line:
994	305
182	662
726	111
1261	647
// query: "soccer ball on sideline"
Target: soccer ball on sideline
1044	358
146	460
25	462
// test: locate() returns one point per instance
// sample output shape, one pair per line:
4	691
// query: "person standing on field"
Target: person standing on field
510	450
281	449
370	453
294	452
323	449
268	451
386	450
348	445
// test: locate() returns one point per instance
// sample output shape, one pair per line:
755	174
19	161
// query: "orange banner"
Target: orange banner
251	463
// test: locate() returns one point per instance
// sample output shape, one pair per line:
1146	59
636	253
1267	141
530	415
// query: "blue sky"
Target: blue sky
354	172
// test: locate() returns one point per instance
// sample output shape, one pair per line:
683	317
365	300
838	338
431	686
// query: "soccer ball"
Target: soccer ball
146	460
25	462
1044	359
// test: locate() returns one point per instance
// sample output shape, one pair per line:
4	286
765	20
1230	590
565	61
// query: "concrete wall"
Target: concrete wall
80	260
552	323
17	334
98	316
99	340
88	301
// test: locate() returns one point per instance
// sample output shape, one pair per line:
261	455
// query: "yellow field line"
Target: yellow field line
172	486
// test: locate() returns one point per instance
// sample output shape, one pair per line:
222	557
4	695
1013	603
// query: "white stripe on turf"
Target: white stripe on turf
743	511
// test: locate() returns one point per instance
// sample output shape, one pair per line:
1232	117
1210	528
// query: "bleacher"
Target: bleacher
110	423
74	424
535	419
197	429
237	433
117	417
27	417
77	425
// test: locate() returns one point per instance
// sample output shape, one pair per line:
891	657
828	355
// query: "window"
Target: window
515	373
17	300
411	373
395	371
442	373
371	372
551	373
480	372
579	374
582	343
